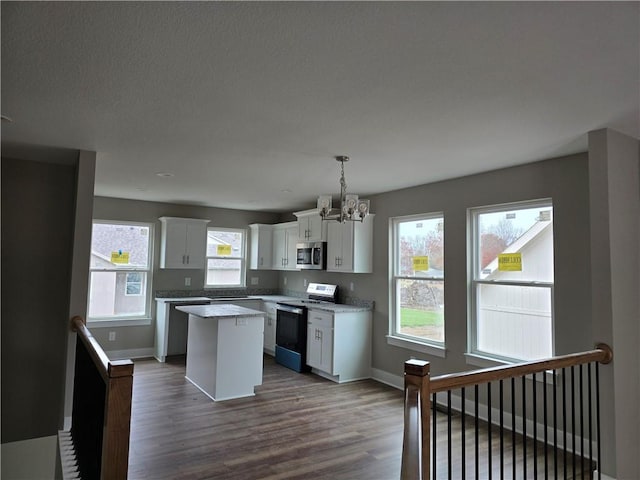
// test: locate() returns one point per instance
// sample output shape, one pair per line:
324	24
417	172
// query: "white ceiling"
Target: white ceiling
247	103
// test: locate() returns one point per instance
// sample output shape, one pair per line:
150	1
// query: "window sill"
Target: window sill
434	350
120	322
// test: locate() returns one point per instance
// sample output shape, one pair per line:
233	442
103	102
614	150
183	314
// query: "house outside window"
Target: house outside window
511	297
225	257
417	290
120	271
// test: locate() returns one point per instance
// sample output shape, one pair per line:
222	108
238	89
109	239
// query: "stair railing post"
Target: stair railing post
417	421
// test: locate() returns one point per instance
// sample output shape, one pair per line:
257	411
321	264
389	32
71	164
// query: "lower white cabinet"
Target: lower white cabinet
270	327
339	344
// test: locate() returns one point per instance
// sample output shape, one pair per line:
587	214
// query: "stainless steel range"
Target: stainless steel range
291	325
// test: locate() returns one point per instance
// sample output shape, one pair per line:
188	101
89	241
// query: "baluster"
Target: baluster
555	425
545	422
598	416
581	423
590	406
434	457
573	420
524	427
535	429
449	433
477	457
513	427
564	420
489	466
501	430
463	427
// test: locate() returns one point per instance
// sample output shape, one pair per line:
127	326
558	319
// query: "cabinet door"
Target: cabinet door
316	228
196	245
291	234
261	247
340	247
175	245
270	327
279	249
320	341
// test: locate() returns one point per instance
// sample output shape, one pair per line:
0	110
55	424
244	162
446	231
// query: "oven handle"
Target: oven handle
291	309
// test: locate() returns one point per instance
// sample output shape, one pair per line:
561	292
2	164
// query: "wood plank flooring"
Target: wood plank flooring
298	426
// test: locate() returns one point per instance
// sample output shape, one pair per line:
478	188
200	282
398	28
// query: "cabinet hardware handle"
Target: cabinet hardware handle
187	259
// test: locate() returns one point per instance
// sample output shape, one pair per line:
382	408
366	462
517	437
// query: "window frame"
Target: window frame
474	355
395	337
242	258
126	320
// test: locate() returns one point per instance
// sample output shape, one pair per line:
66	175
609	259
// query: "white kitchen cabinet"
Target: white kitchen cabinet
339	344
311	228
261	247
285	237
183	243
350	246
270	327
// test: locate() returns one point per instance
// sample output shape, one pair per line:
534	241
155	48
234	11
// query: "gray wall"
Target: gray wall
37	240
141	337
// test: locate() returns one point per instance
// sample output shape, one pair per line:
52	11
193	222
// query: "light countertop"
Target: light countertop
218	310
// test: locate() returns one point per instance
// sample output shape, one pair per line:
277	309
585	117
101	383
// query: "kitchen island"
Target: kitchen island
224	349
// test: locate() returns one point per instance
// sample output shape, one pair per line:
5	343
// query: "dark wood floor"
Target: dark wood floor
298	426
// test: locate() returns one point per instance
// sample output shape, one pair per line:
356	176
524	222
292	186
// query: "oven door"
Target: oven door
291	327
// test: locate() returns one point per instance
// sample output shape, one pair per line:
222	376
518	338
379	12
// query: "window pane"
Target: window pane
108	295
525	232
420	308
421	248
224	272
119	246
514	321
221	243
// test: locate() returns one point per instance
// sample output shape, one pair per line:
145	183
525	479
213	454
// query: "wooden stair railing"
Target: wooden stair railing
101	418
420	397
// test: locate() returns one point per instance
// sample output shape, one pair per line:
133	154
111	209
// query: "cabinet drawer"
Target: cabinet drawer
320	318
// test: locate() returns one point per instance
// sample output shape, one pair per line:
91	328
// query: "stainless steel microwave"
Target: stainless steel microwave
311	256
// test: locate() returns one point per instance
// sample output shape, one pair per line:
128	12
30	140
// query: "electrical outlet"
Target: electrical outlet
112	336
285	280
352	287
304	281
187	281
255	280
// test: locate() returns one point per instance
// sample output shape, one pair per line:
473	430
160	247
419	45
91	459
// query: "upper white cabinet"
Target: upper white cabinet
183	242
261	247
311	228
350	246
285	237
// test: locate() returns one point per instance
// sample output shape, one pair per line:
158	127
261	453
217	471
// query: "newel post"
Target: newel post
417	420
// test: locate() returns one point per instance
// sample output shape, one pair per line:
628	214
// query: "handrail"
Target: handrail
419	387
109	405
602	354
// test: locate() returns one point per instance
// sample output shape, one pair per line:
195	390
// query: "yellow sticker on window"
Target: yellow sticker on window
510	262
420	263
120	257
224	249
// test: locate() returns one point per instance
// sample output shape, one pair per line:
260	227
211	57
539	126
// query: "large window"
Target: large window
512	281
225	257
417	266
120	271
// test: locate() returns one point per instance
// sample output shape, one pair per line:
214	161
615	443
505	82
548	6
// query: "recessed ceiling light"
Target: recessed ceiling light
285	190
165	174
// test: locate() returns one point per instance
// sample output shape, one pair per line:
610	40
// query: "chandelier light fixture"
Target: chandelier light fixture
352	209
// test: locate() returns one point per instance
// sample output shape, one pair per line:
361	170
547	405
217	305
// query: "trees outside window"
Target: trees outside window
417	293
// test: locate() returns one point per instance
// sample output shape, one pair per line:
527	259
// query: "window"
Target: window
225	257
417	266
512	281
120	271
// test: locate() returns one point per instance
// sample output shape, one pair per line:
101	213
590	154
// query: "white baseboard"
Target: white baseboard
33	459
130	353
395	381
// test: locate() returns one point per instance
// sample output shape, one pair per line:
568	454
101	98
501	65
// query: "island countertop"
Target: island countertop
220	311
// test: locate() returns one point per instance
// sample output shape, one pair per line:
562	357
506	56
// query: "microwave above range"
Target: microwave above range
311	256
